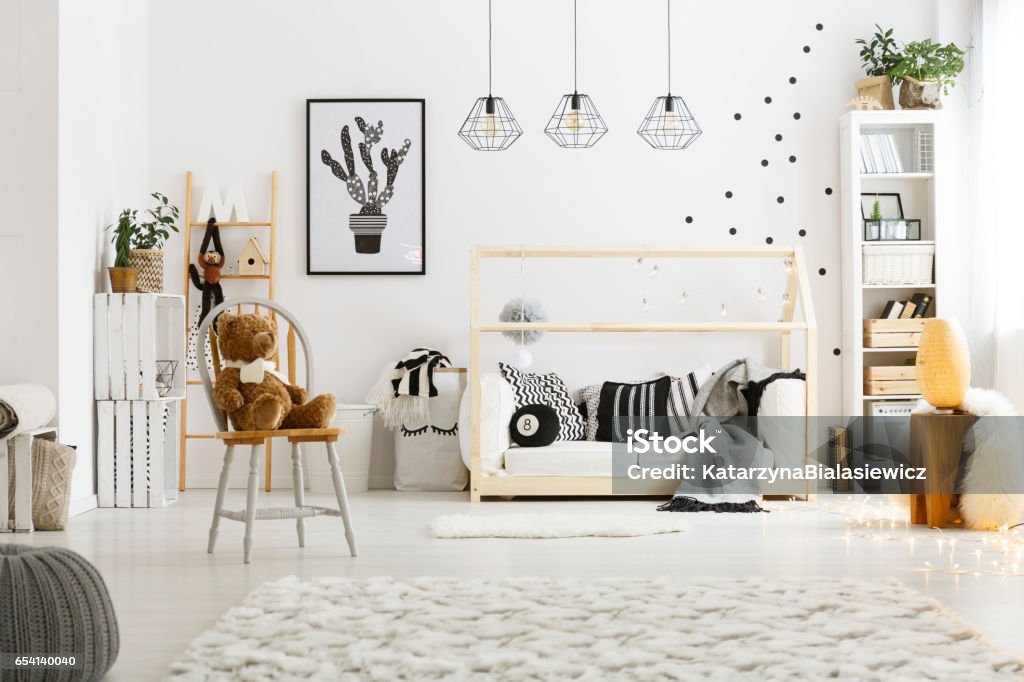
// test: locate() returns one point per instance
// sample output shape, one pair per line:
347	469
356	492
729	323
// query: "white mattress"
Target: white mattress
561	458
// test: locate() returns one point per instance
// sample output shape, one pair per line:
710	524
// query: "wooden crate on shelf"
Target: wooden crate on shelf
890	380
892	333
136	453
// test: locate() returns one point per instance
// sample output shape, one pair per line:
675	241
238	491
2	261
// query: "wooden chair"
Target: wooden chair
257	440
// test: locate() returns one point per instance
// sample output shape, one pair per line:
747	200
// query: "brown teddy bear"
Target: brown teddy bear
254	396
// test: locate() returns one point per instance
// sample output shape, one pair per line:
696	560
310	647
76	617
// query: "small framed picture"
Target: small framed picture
889	204
365	187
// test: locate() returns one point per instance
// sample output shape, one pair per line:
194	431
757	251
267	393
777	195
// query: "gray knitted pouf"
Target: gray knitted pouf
52	601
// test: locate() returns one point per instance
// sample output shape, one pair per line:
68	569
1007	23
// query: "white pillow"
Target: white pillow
780	420
497	405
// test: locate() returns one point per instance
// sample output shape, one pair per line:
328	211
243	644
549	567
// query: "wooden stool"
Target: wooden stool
936	443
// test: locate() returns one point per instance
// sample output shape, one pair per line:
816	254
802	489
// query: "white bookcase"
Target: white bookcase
918	139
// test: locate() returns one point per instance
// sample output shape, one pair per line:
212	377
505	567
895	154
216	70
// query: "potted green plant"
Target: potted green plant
123	277
147	254
927	70
879	55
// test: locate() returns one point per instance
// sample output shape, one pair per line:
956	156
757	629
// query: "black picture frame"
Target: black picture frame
311	168
867	201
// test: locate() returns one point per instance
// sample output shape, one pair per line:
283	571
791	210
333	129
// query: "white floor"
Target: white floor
166	589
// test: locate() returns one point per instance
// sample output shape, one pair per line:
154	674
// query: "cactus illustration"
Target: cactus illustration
370	200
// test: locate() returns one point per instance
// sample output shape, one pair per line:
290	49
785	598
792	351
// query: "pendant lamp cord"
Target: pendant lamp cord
668	12
490	48
522	293
574	45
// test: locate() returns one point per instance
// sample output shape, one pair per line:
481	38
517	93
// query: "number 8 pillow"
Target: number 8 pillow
534	426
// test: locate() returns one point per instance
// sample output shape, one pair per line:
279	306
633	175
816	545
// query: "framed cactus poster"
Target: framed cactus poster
365	187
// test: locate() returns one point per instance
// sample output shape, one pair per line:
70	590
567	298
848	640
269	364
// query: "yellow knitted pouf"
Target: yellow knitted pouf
943	363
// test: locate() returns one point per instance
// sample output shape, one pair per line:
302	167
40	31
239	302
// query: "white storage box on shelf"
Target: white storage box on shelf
354	448
899	264
136	453
139	346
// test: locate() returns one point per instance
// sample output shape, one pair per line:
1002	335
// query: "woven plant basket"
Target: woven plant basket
943	364
150	264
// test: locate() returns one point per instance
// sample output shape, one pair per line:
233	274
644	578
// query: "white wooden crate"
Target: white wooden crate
137	453
132	333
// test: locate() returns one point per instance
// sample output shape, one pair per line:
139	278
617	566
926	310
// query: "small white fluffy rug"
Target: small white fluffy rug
553	525
615	628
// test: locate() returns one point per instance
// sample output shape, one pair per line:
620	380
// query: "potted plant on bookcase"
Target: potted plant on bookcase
147	255
927	70
879	55
123	277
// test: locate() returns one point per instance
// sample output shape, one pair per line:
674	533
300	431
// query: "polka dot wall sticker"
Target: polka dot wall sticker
819	26
802	233
796	115
737	116
769	240
792	80
836	351
764	162
767	100
689	219
780	199
728	194
732	230
821	271
807	49
778	137
792	159
828	191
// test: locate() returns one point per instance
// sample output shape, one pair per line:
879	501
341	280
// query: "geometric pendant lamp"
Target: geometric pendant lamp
490	126
669	123
576	122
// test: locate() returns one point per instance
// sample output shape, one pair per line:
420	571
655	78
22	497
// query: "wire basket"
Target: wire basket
899	263
165	371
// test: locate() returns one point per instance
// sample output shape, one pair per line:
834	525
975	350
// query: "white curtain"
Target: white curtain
996	100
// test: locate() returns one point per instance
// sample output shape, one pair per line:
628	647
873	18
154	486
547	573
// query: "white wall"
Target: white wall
102	157
230	105
28	188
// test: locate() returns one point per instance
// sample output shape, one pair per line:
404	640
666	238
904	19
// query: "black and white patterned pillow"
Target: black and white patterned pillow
591	397
546	389
631	406
680	399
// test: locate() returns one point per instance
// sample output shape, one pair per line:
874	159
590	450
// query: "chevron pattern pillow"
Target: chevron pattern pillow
546	389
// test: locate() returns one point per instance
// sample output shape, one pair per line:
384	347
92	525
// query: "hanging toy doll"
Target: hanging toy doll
211	262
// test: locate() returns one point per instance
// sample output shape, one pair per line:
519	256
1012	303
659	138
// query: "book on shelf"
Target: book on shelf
892	310
879	154
921	303
908	310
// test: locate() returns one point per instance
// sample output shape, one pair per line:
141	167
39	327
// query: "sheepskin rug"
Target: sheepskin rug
553	525
615	628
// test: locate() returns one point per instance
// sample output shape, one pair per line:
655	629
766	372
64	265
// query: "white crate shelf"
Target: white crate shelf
137	453
132	334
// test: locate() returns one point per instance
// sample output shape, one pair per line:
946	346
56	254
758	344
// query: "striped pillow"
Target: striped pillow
546	389
631	406
680	399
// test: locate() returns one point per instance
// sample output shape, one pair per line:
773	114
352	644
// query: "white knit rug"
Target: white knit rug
620	628
554	525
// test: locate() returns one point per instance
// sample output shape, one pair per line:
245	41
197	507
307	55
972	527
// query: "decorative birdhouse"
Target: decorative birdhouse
253	261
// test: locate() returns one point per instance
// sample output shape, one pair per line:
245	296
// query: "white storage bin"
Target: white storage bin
899	263
427	456
354	448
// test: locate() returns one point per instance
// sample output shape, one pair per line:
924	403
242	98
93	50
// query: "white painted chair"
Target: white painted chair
257	441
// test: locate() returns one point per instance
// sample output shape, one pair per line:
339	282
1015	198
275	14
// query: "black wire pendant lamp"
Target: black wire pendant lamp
669	124
576	122
490	126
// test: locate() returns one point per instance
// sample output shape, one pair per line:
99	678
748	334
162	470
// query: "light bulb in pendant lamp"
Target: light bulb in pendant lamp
490	126
669	123
943	364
